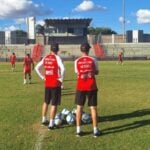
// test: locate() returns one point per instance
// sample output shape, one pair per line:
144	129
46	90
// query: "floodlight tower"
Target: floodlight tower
124	20
31	29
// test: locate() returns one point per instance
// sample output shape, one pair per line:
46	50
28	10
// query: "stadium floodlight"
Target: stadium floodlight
124	21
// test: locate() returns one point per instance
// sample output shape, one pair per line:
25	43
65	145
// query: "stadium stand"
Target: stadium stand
99	50
71	51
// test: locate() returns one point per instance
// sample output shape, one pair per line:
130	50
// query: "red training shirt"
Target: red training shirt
86	68
27	64
12	59
51	71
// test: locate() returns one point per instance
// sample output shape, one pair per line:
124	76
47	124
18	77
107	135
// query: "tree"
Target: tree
20	33
39	29
98	30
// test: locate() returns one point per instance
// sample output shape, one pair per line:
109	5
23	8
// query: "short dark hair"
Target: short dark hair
28	54
85	47
55	47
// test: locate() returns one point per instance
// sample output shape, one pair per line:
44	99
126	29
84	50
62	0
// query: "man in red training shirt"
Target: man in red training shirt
86	68
13	61
28	63
53	77
120	58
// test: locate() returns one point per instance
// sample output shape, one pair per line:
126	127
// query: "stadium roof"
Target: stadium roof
85	21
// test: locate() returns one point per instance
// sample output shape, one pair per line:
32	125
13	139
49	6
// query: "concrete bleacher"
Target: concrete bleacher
67	40
130	50
19	50
72	51
66	51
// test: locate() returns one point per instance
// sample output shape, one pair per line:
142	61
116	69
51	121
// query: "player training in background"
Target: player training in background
120	58
13	61
28	65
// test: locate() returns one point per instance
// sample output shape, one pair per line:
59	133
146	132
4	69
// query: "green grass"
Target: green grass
123	108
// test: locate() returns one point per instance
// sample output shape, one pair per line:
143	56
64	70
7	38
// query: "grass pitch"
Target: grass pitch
123	108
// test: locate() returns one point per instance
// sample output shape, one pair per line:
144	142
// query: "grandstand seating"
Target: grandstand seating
67	39
130	50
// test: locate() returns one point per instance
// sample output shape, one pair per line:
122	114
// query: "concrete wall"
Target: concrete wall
130	50
66	51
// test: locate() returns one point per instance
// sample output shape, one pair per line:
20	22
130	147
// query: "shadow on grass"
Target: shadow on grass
67	80
129	126
68	91
138	113
120	128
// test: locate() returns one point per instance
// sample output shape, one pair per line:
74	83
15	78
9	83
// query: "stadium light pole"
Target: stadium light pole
124	21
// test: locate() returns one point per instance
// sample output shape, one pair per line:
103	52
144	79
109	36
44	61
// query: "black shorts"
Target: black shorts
80	97
53	95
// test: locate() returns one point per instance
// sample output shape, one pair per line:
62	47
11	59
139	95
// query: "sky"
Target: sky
104	13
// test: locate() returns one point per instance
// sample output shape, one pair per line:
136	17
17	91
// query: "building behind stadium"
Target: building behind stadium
67	31
70	33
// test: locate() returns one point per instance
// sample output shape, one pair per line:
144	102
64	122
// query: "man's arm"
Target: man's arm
96	67
62	68
38	69
75	66
32	65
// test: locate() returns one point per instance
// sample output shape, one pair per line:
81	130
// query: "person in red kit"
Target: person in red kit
28	63
13	61
120	58
53	78
86	68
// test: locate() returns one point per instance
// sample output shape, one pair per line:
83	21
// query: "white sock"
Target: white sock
78	129
51	123
25	81
44	118
95	129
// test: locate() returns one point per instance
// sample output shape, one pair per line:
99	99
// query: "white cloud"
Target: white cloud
21	8
122	20
41	22
10	28
88	5
143	16
20	21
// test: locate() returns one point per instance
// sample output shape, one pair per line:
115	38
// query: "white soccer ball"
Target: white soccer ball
58	122
65	111
71	119
63	117
86	118
57	119
74	111
64	114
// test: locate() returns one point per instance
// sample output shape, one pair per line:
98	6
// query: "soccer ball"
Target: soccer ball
57	119
65	111
64	114
71	119
86	118
74	111
63	117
